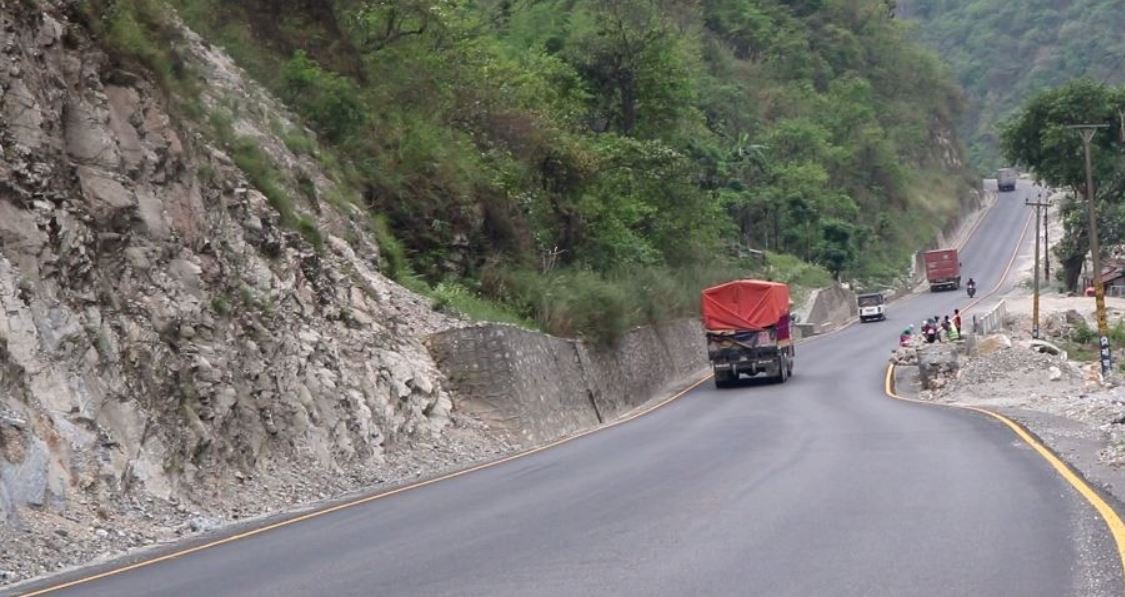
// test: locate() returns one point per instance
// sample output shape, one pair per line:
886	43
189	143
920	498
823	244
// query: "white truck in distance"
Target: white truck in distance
872	307
1006	179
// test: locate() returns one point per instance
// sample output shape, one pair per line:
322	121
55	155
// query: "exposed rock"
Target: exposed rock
171	356
993	343
937	364
1047	348
1054	373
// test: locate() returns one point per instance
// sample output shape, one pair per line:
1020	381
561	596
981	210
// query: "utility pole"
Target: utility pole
1047	245
1038	205
1087	131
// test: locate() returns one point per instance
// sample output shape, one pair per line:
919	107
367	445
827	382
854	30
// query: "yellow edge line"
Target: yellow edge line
1108	514
365	500
973	230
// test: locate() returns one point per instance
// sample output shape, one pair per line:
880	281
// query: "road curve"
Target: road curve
821	486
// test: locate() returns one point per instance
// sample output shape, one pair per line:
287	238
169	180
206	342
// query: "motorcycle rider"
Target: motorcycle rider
971	285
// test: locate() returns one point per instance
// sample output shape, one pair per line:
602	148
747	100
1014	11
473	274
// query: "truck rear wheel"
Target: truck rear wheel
724	379
782	369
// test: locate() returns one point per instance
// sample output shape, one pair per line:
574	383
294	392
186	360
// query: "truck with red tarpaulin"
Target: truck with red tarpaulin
943	269
747	323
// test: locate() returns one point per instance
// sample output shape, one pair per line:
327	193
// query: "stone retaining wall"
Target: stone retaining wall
540	387
831	308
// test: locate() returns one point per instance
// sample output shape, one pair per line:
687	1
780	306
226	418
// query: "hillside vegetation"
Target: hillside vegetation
1005	52
585	165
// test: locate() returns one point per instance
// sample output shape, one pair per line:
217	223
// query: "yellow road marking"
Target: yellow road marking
1108	514
973	230
365	500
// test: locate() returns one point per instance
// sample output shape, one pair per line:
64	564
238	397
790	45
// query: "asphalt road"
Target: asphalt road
822	486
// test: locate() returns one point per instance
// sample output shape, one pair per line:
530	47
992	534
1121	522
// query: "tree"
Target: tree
629	53
837	249
1038	138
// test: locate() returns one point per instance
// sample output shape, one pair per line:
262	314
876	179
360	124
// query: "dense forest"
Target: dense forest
561	158
1005	52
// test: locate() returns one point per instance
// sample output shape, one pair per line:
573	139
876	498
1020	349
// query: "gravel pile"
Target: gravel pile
40	541
1016	364
1021	379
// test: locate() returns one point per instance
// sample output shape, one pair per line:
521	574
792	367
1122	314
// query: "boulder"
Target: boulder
1093	378
1054	373
1047	348
937	363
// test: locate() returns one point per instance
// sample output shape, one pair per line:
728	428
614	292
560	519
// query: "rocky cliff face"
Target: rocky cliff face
167	347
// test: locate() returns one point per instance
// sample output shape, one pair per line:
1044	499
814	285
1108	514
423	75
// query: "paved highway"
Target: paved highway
822	486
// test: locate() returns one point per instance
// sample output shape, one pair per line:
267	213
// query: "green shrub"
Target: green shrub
392	253
791	270
598	310
455	298
299	143
1117	334
1083	334
142	31
221	305
308	229
331	101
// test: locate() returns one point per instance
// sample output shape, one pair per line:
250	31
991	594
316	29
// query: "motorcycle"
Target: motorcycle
972	290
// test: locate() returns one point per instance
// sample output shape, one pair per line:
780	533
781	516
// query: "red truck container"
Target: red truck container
747	326
943	269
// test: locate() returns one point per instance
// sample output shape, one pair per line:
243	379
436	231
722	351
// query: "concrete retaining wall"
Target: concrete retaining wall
540	387
831	307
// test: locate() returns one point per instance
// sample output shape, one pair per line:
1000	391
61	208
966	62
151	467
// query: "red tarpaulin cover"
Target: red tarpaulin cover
746	305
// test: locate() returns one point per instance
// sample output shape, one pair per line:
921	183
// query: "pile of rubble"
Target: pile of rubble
1027	376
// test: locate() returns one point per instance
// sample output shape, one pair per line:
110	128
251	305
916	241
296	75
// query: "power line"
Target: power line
1113	71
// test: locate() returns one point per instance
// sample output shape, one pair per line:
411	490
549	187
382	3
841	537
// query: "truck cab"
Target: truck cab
872	307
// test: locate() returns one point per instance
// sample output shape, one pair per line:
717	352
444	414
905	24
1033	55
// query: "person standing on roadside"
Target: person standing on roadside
957	320
951	331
